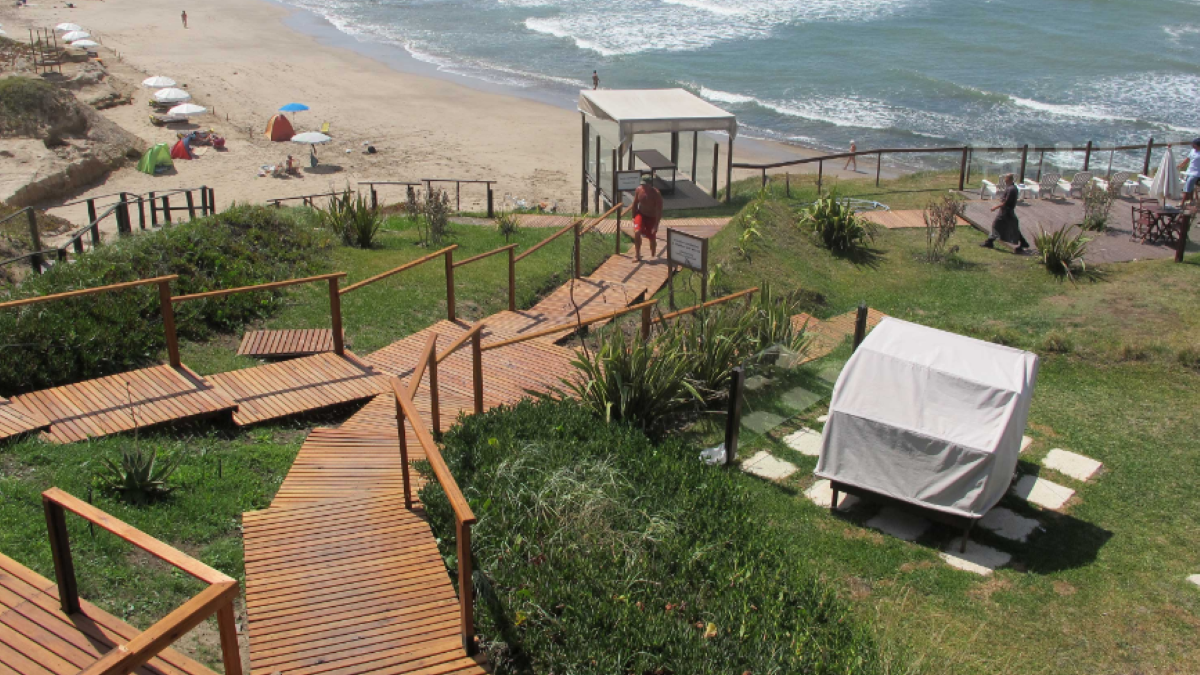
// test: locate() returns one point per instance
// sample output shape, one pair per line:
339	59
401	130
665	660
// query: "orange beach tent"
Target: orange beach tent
280	129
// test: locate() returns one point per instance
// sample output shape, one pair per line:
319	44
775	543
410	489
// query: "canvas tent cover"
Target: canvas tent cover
929	417
159	155
655	111
279	129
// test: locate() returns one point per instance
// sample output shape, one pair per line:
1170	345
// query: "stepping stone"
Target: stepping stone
1042	492
1195	579
765	465
821	494
805	441
756	382
1009	524
978	559
823	419
799	399
761	422
1069	463
898	523
831	372
1025	443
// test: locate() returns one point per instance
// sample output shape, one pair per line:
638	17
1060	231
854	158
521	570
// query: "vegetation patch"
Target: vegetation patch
36	109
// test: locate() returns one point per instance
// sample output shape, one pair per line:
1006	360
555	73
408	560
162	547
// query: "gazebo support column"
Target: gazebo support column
583	188
729	171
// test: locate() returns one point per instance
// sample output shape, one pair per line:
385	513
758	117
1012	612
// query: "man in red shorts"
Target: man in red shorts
647	212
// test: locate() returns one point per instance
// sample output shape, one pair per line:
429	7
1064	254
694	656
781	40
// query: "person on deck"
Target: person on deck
647	212
1191	173
1006	227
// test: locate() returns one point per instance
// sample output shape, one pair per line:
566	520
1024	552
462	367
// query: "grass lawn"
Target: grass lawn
1102	587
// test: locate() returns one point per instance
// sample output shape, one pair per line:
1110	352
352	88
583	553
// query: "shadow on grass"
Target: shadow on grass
863	256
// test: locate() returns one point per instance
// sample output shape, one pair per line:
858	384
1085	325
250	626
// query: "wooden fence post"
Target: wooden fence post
1181	245
212	199
716	164
91	207
141	212
450	314
787	185
695	153
1146	164
733	419
860	325
60	549
153	210
35	240
335	317
764	177
616	167
1087	156
1024	160
596	197
878	167
646	321
962	170
512	281
820	175
477	370
168	315
166	209
227	626
466	594
402	437
435	410
583	191
374	198
617	234
576	251
491	209
124	222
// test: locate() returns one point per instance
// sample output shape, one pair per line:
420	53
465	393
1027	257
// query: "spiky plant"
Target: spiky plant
1061	253
836	226
140	477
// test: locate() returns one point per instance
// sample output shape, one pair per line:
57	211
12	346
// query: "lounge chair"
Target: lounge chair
1078	182
325	128
1120	181
1042	188
987	189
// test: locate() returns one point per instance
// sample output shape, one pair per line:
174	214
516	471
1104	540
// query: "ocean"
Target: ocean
820	73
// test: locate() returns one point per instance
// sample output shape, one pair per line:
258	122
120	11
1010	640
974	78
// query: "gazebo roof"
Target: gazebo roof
655	111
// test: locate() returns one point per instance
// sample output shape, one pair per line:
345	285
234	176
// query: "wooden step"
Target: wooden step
16	420
282	344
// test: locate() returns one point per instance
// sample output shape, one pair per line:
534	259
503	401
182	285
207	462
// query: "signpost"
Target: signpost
690	252
625	183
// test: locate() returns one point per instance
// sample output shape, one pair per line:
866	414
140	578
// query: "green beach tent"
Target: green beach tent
159	155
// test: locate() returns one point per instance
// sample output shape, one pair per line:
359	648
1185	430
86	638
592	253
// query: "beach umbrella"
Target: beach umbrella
172	95
311	138
68	27
85	44
158	82
294	107
1166	182
3	33
76	35
186	109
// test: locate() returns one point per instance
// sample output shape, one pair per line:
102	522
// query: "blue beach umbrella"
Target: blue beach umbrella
293	107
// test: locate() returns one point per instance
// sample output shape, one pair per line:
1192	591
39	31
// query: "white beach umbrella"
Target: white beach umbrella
85	44
1166	182
311	138
172	95
76	35
68	27
2	33
158	82
186	109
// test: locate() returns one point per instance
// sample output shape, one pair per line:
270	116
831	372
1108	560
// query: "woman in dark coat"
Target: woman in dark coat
1006	227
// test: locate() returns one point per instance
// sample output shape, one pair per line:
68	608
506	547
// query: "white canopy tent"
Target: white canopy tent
654	111
928	417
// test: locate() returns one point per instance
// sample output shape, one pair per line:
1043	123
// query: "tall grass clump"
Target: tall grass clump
351	219
1061	253
1097	206
941	218
598	552
70	340
835	225
506	224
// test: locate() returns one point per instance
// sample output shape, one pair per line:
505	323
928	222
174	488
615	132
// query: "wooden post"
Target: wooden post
787	185
491	209
733	418
60	549
191	205
576	251
617	234
820	175
729	172
91	207
230	654
631	157
878	167
35	240
1181	245
435	411
646	322
670	275
153	210
860	325
716	163
166	209
512	281
466	594
1087	156
962	170
457	197
616	164
168	314
374	198
450	314
596	197
95	230
1024	161
970	156
124	222
695	151
335	317
402	437
212	199
764	177
704	274
204	201
477	370
141	212
1146	164
675	148
583	185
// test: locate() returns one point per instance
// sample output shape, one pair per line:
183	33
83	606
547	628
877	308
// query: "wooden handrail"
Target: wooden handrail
481	256
257	287
710	303
87	291
462	340
414	381
569	326
397	270
549	239
602	218
217	598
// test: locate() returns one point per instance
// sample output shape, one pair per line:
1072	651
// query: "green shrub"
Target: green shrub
597	552
941	218
351	219
1189	357
71	340
506	224
32	107
1061	253
1056	342
836	226
1097	206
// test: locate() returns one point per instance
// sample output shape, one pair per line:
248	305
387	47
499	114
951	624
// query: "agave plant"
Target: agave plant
351	219
836	226
140	477
1061	253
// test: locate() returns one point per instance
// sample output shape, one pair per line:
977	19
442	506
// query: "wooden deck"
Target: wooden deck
897	220
117	403
37	638
283	344
301	385
15	420
829	334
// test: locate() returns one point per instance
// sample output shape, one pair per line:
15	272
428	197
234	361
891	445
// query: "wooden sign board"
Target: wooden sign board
628	181
690	252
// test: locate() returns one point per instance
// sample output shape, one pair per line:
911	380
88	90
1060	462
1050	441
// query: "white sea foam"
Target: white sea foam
1082	111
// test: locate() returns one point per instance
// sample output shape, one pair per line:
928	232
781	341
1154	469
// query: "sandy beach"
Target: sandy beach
242	61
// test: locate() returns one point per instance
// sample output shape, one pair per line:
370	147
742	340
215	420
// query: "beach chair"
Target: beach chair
325	128
1078	182
1042	188
1120	182
988	189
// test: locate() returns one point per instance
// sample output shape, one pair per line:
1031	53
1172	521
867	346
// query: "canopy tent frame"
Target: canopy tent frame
650	111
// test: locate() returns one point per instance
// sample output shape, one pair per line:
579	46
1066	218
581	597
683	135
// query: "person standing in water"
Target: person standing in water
852	159
595	80
183	15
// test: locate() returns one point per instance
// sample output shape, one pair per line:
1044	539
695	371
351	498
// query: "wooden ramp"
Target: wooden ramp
117	403
347	587
283	344
37	638
829	334
15	420
301	385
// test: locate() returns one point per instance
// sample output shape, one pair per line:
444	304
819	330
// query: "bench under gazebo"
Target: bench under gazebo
670	126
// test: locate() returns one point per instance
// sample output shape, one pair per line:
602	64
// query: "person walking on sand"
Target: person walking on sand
183	15
647	212
852	159
595	80
1007	227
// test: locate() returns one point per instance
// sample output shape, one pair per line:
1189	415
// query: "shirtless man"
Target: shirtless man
647	212
183	15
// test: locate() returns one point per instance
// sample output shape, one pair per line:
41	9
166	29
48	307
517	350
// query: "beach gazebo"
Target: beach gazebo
669	126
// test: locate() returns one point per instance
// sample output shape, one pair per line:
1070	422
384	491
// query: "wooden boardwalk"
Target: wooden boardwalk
15	420
829	334
897	220
283	344
123	402
37	638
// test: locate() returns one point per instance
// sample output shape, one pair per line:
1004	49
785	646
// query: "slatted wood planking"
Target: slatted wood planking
896	220
16	420
117	403
336	463
829	334
648	275
36	638
353	586
278	344
297	386
700	227
540	220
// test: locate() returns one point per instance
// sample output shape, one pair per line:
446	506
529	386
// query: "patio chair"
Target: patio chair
1119	181
1078	181
325	128
988	189
1044	187
1143	223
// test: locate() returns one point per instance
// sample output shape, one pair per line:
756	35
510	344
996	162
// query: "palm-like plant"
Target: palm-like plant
140	477
836	226
1061	253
